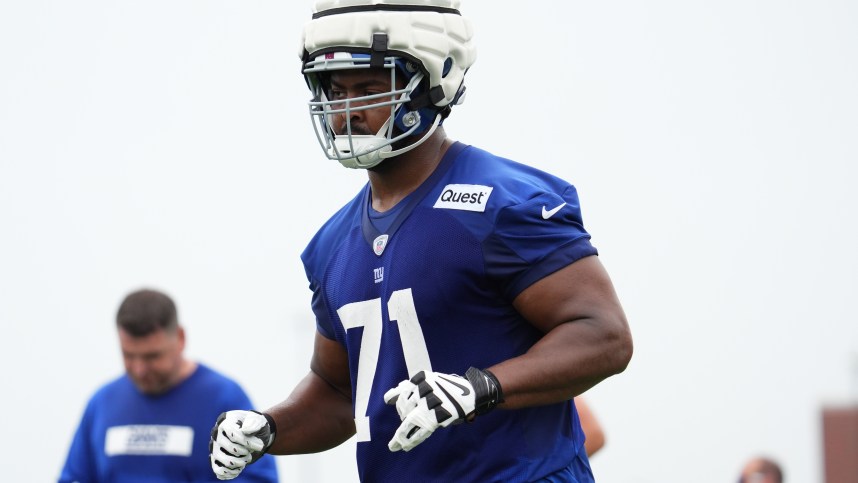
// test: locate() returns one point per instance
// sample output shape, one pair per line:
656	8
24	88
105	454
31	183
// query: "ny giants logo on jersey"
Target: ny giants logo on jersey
467	197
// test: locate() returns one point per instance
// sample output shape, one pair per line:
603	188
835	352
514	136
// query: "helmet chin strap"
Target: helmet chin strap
373	157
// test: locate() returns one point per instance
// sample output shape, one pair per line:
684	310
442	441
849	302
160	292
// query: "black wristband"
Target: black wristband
268	438
271	423
487	389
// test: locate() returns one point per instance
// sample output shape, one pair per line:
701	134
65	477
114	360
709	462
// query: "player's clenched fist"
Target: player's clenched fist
238	439
432	400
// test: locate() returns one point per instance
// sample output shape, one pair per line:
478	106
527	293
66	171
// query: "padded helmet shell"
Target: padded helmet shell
430	32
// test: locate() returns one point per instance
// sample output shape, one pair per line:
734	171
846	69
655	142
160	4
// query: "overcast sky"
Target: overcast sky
167	144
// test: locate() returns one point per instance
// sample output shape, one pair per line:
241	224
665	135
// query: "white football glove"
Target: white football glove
238	439
432	400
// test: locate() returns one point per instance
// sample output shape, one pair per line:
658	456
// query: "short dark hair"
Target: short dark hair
146	311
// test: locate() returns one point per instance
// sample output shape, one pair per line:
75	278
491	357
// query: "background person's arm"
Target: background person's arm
593	431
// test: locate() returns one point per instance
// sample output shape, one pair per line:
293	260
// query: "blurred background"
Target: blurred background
167	144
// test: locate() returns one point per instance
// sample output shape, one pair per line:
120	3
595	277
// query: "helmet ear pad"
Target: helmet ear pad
424	101
405	119
416	110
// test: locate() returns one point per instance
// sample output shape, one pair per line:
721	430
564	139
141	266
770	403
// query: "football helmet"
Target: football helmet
427	47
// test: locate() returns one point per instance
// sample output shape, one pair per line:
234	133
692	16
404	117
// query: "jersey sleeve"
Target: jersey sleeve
235	397
79	465
324	324
316	255
535	238
264	470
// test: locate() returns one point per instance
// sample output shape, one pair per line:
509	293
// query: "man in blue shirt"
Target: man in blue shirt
152	424
456	287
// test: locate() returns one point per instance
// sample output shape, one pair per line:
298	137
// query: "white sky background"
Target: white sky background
167	144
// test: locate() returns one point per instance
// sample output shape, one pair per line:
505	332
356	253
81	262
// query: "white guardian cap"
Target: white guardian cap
426	44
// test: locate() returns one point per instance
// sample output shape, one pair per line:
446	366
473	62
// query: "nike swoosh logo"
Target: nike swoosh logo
546	214
465	390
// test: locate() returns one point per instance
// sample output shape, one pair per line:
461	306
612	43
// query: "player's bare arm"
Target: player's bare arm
587	337
586	340
318	414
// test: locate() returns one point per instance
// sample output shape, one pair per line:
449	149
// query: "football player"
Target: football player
460	305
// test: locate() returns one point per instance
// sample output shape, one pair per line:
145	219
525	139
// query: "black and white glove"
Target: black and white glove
432	400
239	438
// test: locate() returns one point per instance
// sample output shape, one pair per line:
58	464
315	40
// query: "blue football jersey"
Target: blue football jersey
434	292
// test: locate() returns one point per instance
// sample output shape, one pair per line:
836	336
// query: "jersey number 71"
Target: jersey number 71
367	314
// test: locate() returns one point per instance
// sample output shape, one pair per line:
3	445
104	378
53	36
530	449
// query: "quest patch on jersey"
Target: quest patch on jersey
149	440
467	197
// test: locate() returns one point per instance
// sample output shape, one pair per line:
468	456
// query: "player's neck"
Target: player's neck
397	177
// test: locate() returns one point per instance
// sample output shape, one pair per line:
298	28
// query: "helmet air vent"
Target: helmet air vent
448	64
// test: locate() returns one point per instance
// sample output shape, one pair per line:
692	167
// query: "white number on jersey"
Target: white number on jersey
367	314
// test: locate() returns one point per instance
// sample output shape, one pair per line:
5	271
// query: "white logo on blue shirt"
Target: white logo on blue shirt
467	197
149	439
